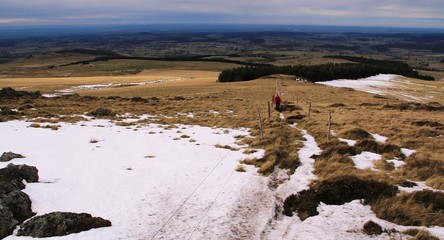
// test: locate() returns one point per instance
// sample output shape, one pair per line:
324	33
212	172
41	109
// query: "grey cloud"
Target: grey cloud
347	12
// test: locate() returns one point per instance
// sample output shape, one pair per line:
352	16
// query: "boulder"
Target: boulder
19	172
60	224
15	205
8	156
7	222
9	186
18	203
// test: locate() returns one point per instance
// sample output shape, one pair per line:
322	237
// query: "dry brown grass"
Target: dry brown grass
420	234
424	208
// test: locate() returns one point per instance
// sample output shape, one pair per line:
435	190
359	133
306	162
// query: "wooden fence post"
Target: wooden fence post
329	127
260	122
309	109
269	109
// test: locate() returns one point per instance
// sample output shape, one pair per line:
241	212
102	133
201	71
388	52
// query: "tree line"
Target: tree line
324	72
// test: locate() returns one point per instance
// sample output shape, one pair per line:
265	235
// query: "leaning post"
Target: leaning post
260	123
329	127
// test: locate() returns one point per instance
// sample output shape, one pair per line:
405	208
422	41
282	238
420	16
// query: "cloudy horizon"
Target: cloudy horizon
383	13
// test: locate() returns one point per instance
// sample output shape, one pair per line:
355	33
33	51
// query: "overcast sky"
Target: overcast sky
385	13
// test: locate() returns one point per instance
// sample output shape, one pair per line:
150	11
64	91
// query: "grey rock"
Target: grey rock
60	224
8	156
7	222
9	186
19	173
18	203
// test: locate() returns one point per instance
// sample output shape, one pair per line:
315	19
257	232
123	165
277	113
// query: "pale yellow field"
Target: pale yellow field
176	78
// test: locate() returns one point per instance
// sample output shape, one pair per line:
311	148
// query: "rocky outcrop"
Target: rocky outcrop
10	93
60	224
15	205
8	156
18	203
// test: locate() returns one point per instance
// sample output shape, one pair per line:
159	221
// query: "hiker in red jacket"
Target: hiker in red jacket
277	101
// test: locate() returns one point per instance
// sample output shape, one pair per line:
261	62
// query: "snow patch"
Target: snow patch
113	178
366	160
407	152
396	163
379	138
214	112
348	141
372	84
419	187
303	175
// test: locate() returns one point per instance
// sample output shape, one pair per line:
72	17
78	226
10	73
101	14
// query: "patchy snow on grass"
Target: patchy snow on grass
155	184
104	85
366	160
303	175
419	187
134	119
339	222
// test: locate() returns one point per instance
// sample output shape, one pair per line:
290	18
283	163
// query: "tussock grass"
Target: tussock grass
424	208
226	147
240	168
357	134
372	228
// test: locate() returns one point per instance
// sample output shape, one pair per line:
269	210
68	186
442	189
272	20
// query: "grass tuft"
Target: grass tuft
372	228
357	134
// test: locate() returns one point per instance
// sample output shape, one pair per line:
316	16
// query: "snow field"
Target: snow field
372	84
137	180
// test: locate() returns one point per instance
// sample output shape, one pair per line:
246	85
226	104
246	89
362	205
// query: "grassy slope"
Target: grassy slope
201	93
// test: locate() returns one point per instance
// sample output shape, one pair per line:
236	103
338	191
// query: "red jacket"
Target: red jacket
277	99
